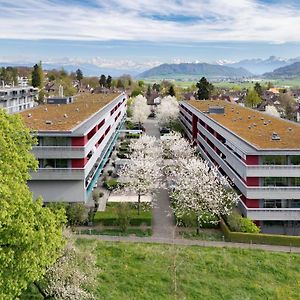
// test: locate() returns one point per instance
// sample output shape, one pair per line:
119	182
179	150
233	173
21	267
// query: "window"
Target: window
274	160
61	163
275	181
295	181
282	203
295	160
54	141
295	203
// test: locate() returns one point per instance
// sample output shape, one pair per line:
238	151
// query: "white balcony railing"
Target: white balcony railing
270	214
58	174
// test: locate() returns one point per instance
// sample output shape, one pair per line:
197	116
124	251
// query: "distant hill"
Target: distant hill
260	66
194	70
87	69
289	71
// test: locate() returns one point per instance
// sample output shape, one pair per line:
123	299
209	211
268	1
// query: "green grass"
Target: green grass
109	216
146	271
203	235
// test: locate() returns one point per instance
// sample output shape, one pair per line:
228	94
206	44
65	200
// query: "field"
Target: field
142	271
292	83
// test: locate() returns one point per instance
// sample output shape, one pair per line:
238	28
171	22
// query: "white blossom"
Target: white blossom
64	280
200	189
142	174
140	109
168	110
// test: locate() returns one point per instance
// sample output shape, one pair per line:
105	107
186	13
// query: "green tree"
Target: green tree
37	76
171	91
102	80
252	99
148	91
120	84
204	89
77	214
258	89
108	81
289	105
79	75
9	75
156	87
30	235
69	89
141	83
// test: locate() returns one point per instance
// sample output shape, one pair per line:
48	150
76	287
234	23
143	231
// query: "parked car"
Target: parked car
164	130
152	115
138	126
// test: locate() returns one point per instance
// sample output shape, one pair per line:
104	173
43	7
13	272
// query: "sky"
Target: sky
139	34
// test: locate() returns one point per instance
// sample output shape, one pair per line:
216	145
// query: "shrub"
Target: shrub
101	194
110	184
132	136
109	172
123	216
121	155
259	238
240	224
77	214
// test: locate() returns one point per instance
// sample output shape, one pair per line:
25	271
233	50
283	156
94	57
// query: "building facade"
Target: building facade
16	99
260	154
75	141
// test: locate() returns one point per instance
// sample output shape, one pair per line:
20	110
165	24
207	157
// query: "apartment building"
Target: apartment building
260	154
19	98
75	140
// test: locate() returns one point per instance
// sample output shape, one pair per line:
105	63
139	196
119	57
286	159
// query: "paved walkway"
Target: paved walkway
186	242
162	215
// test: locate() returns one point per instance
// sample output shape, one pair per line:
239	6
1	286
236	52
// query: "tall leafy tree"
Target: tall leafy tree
8	75
79	75
204	89
108	81
30	235
37	76
171	91
258	89
252	99
102	80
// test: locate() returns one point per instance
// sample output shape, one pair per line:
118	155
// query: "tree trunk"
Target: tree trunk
139	203
197	224
45	296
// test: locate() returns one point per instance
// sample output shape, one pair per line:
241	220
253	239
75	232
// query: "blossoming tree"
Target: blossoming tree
201	190
168	110
140	109
142	174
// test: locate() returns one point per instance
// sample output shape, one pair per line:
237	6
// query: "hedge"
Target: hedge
110	218
259	238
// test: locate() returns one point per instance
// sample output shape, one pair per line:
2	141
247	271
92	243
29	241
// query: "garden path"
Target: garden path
162	215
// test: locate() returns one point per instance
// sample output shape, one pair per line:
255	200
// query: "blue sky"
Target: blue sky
142	33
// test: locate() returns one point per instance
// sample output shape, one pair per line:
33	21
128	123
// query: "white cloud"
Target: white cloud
152	20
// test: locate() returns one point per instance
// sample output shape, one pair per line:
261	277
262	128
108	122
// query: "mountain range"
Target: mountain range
289	71
260	66
194	71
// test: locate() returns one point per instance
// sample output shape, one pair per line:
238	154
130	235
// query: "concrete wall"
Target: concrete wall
58	191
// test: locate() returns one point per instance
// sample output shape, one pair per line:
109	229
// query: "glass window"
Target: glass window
274	160
295	203
55	141
273	204
49	163
275	181
295	181
295	160
61	163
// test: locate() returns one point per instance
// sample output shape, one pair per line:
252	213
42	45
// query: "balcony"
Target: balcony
58	174
270	214
59	151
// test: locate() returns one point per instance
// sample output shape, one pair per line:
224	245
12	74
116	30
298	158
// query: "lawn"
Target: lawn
146	271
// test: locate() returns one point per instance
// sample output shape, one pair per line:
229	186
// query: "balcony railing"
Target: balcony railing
270	214
58	174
